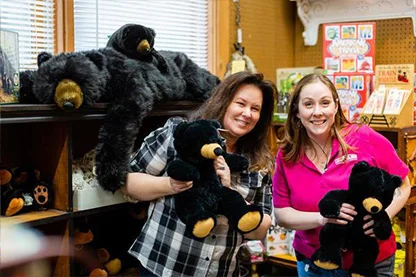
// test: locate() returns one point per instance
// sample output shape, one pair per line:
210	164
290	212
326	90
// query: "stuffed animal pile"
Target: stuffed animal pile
370	191
197	144
21	189
132	87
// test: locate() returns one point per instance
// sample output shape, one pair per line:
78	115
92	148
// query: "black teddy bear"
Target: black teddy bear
197	144
136	42
371	190
131	86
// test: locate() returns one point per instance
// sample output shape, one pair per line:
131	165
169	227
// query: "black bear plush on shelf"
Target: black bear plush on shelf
12	199
136	42
370	191
198	143
131	86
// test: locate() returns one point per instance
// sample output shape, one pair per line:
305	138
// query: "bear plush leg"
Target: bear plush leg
241	216
331	238
365	251
249	221
195	214
15	205
202	228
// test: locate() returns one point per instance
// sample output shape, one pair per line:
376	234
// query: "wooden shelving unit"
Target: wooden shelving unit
49	139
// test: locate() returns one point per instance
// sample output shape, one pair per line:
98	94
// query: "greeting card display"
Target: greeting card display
349	59
392	103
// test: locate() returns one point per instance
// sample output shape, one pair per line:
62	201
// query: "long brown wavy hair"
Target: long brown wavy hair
255	144
296	138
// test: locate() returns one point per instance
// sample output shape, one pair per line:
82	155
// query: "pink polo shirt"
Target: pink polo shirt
301	185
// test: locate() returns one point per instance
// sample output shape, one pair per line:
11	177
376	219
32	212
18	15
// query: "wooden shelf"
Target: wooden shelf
98	210
34	218
24	113
282	260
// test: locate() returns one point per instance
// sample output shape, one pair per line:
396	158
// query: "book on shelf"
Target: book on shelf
394	101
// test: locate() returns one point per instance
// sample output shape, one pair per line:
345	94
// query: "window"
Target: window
33	20
180	25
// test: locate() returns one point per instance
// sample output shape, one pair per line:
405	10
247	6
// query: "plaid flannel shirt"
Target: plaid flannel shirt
162	246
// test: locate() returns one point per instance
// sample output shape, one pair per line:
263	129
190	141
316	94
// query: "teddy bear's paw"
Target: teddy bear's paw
249	221
81	237
14	206
98	272
326	265
203	227
113	267
356	275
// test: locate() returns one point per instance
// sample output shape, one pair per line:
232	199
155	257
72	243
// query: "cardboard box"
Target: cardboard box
95	197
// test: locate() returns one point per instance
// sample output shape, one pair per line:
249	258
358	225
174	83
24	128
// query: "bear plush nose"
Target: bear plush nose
68	106
372	205
374	210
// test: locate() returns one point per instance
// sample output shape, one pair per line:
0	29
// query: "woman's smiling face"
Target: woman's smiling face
317	109
243	113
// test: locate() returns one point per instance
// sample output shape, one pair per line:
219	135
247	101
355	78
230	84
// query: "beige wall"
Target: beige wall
268	28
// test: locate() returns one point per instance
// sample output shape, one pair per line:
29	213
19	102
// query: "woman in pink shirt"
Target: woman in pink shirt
317	154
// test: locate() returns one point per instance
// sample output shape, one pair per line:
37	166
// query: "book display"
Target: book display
392	102
349	59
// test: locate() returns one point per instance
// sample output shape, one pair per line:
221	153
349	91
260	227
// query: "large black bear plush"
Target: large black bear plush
370	191
197	144
131	86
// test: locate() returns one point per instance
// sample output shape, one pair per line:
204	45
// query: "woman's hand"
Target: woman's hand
347	213
179	186
223	171
368	226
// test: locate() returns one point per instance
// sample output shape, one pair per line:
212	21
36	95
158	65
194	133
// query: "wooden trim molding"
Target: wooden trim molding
219	36
64	26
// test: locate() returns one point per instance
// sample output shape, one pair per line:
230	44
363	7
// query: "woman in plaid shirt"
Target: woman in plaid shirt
243	103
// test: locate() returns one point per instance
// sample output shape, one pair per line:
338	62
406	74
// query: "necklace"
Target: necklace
325	163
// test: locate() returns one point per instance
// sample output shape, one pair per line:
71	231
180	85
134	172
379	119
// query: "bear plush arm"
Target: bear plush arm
182	171
330	204
382	225
235	162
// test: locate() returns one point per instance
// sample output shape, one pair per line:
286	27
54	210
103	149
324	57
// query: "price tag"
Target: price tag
237	66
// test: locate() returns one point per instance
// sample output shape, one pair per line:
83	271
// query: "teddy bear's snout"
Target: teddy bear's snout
372	205
68	95
143	47
211	150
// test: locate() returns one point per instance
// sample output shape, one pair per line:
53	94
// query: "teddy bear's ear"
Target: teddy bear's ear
97	58
396	180
214	123
43	57
362	166
180	129
152	32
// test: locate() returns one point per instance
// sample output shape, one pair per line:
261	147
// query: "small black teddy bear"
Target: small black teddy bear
370	191
198	143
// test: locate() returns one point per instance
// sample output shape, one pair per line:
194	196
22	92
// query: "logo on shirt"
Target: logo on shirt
350	157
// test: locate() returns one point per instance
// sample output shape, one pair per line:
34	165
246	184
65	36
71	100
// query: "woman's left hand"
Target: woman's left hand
223	171
368	226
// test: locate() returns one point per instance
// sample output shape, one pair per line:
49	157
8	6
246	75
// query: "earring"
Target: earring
298	124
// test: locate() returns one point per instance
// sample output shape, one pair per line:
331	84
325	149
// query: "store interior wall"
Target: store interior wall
272	37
